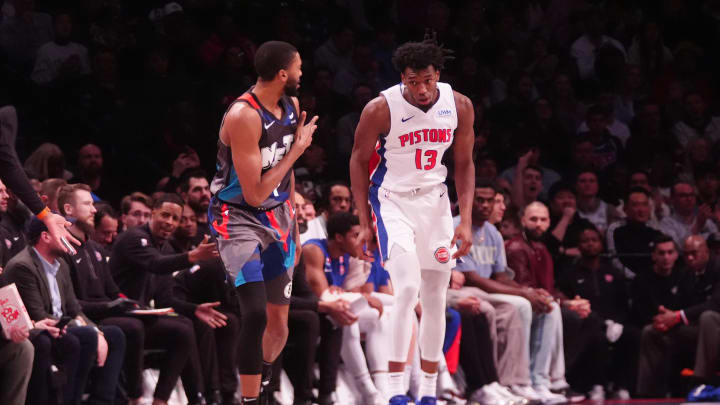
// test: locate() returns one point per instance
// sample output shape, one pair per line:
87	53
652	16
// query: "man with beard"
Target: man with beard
528	256
202	294
263	133
195	190
89	171
336	198
137	263
44	283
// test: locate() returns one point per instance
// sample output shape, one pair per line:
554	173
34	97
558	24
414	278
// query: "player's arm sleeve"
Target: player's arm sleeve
14	177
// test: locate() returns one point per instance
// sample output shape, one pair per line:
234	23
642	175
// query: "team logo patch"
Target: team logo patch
442	254
288	290
444	113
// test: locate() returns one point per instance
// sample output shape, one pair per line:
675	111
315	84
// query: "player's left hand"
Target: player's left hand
463	235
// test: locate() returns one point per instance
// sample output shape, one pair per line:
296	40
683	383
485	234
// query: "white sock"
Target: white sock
428	385
396	383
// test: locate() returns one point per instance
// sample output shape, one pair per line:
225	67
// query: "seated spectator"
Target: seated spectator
137	263
16	364
202	294
589	205
697	121
89	170
648	49
363	69
606	108
314	260
60	59
195	191
106	226
332	271
527	185
362	93
708	185
668	304
49	192
585	49
336	53
565	224
47	162
687	218
135	210
482	284
43	280
23	32
598	294
631	238
336	198
528	256
651	142
103	302
13	217
658	208
607	147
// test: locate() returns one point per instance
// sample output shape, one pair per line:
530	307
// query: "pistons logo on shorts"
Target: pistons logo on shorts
442	254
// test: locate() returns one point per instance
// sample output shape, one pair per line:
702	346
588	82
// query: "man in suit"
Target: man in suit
43	280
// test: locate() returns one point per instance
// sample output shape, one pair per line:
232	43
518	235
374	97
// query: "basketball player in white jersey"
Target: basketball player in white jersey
396	165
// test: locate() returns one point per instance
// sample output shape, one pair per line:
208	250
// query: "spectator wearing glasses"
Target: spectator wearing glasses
135	209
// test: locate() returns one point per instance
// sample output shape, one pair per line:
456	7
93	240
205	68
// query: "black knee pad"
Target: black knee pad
253	318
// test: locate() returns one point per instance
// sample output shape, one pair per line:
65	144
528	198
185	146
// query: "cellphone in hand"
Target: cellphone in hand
71	250
62	322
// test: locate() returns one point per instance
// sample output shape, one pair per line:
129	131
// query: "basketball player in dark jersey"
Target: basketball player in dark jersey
251	211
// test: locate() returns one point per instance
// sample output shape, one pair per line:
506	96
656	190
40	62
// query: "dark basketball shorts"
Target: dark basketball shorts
256	246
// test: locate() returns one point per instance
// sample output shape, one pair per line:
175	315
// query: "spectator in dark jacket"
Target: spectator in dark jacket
137	264
593	278
670	301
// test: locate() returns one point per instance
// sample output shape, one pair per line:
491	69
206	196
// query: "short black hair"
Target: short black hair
168	198
634	190
104	210
558	187
662	238
273	56
340	223
485	183
418	56
191	173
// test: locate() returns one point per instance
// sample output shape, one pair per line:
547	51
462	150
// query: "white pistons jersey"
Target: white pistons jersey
410	156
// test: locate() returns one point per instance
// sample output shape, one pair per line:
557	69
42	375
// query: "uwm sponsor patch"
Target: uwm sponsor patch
442	254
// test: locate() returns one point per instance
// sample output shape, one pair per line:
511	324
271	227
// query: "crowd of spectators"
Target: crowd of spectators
596	258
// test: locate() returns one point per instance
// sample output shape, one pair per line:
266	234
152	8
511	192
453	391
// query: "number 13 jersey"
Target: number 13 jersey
410	155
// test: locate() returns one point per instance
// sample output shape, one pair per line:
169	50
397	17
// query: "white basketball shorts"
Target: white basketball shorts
417	221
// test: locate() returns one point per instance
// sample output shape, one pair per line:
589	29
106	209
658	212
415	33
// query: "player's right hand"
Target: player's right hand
304	133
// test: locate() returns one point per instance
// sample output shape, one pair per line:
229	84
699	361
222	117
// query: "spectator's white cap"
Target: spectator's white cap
164	11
